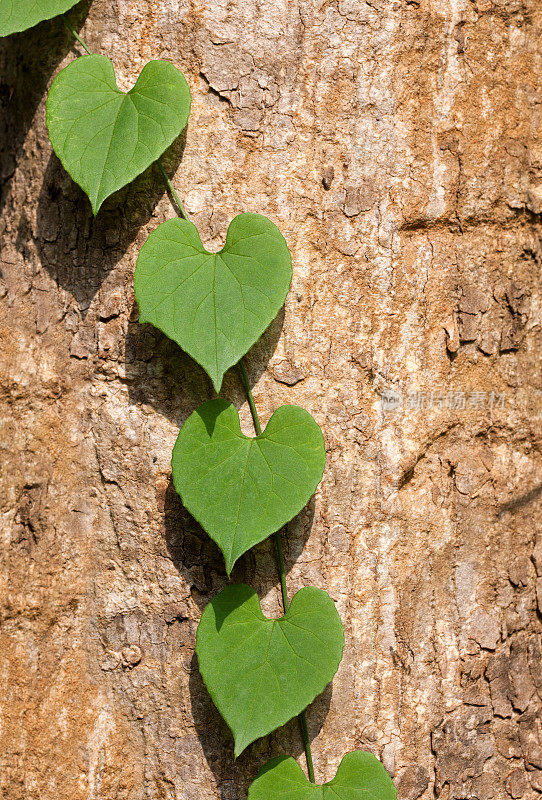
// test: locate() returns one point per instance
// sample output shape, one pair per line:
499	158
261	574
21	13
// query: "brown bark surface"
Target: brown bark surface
395	145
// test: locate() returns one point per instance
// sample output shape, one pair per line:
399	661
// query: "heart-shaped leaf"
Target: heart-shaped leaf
360	776
214	305
262	672
242	489
105	138
18	15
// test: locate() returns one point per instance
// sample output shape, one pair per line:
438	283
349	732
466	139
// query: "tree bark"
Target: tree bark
395	145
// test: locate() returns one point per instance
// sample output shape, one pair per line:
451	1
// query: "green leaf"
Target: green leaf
214	305
242	489
18	15
105	138
262	672
360	776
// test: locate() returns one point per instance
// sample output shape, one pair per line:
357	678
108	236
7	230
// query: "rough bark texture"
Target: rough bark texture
394	143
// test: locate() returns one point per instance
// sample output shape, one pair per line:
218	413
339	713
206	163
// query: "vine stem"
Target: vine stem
172	190
252	404
73	33
280	563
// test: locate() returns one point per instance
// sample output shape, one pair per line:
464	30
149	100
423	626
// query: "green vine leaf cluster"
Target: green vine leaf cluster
260	672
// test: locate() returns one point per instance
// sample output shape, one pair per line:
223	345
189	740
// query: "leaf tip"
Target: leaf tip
238	749
217	382
229	567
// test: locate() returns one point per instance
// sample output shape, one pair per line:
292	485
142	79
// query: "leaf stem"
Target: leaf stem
172	190
302	717
307	742
252	404
280	563
73	33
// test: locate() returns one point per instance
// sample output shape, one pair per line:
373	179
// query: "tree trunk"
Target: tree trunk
394	144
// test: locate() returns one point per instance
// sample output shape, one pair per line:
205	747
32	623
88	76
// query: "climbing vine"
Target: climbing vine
259	672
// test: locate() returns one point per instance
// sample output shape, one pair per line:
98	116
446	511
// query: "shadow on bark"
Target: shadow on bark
29	59
520	502
76	248
165	377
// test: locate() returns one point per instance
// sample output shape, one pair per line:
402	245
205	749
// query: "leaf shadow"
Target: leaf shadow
233	777
520	502
209	414
28	60
222	612
79	250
